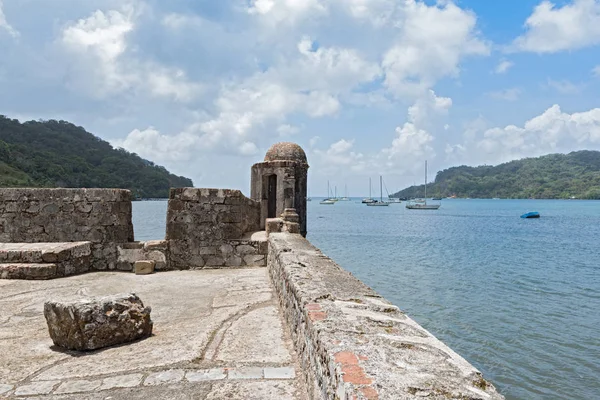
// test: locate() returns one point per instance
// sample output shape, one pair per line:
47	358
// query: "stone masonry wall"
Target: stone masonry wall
352	343
207	227
101	216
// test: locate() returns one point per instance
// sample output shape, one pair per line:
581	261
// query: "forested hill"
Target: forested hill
555	176
60	154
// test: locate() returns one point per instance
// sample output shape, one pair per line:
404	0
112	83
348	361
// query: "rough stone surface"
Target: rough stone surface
5	388
206	375
273	225
28	271
286	162
246	373
36	388
159	378
144	267
189	330
286	151
280	373
121	381
354	344
268	347
96	323
78	386
44	260
100	216
205	228
155	250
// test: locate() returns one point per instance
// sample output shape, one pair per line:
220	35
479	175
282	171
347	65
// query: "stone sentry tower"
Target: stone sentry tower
279	182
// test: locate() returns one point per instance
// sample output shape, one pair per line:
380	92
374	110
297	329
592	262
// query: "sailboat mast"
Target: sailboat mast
425	181
369	187
381	188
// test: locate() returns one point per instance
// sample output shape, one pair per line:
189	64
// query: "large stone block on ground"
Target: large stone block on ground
95	323
144	267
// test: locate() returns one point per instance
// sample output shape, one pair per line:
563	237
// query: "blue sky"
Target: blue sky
367	87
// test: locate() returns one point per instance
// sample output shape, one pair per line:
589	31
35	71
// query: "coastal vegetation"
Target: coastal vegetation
554	176
60	154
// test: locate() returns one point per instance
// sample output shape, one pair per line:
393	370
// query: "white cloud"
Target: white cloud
176	21
409	149
552	131
564	86
103	67
427	106
338	158
285	130
378	12
332	69
596	71
5	25
275	12
169	82
511	94
151	144
431	42
503	67
551	29
102	39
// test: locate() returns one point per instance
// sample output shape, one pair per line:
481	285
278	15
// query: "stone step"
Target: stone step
43	252
31	271
68	258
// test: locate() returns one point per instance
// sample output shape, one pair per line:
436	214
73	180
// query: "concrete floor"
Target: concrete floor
217	334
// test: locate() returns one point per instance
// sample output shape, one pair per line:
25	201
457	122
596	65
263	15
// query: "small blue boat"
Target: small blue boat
533	214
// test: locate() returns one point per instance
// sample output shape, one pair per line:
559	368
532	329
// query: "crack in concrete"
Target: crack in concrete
211	350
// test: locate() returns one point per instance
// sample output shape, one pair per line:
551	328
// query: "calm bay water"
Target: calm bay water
520	299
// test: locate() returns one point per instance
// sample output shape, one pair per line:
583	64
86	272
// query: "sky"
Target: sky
366	87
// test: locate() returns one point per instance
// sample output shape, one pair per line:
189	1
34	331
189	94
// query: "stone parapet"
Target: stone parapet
354	344
100	216
206	228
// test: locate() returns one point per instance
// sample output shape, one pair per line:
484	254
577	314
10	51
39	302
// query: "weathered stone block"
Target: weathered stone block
254	260
245	249
96	323
273	225
144	267
156	245
233	261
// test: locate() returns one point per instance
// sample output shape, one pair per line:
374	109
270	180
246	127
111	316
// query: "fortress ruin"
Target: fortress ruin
245	306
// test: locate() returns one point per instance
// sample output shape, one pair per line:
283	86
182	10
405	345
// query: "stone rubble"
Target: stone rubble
92	324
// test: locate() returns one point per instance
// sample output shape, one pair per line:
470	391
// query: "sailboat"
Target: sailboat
422	204
369	199
328	200
379	202
345	198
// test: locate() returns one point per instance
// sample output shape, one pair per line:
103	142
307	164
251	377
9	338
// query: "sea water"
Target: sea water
518	298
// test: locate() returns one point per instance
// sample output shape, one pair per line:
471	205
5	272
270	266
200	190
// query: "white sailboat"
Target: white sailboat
345	198
329	200
422	204
379	202
369	199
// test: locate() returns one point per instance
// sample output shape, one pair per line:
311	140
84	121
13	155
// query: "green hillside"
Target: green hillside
555	176
60	154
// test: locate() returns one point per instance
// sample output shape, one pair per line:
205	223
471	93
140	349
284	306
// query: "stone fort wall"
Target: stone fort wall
212	228
354	344
101	216
206	228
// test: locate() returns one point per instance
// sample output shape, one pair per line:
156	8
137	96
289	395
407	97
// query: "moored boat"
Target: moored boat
422	204
532	214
